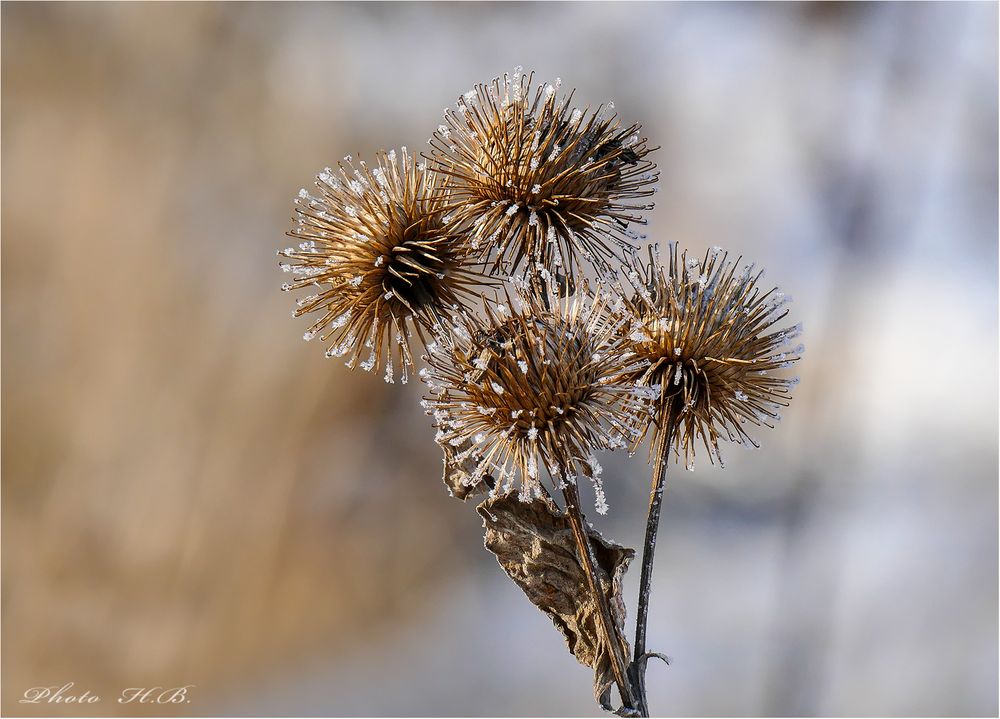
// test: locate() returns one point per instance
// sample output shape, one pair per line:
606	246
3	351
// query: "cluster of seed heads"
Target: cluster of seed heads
478	251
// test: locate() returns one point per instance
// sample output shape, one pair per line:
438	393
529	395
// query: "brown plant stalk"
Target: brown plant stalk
640	656
613	639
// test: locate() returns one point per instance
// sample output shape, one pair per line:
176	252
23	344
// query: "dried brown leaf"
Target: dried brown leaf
534	544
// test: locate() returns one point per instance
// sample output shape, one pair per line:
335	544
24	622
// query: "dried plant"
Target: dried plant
709	338
377	244
539	182
539	388
523	188
535	389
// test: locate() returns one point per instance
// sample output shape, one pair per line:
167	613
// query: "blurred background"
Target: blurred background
191	495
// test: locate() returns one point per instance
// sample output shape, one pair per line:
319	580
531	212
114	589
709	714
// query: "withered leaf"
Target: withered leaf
534	544
458	473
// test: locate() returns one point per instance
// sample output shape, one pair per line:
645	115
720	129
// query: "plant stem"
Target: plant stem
638	667
607	626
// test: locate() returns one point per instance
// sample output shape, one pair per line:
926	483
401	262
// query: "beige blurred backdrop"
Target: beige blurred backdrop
191	495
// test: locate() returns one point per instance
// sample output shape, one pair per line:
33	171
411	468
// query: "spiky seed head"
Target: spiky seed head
715	351
533	389
539	182
381	257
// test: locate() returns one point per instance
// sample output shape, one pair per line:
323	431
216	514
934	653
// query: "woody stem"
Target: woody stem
638	666
606	625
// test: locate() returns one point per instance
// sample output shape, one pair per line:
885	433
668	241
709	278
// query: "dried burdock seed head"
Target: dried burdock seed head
538	181
534	389
712	341
381	257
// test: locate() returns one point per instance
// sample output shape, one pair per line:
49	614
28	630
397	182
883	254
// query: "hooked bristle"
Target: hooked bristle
537	181
533	389
377	243
710	337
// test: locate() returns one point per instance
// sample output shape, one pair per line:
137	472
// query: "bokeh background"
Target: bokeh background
191	495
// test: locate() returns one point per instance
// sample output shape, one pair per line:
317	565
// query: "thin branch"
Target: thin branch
640	656
608	628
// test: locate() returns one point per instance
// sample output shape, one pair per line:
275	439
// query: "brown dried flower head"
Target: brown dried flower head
377	246
710	339
530	389
539	182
